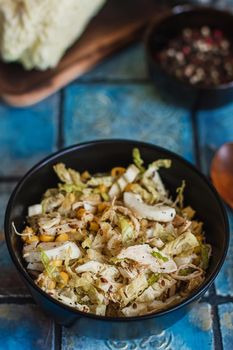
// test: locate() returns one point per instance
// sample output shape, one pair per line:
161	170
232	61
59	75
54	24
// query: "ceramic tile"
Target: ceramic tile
127	64
198	333
24	327
215	127
226	323
27	135
125	111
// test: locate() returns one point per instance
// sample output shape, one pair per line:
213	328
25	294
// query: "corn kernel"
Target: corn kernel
102	188
63	237
28	229
94	226
85	175
27	233
71	197
199	238
56	263
197	250
117	171
78	236
144	223
32	239
64	278
102	207
80	212
51	284
129	187
86	243
46	238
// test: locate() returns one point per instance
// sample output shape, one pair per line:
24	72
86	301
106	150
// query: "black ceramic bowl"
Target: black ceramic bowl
99	156
166	27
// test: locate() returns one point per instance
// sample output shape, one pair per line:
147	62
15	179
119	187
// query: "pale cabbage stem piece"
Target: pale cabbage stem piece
32	253
128	177
162	213
144	255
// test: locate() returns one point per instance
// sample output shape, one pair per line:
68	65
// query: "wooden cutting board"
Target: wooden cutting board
118	23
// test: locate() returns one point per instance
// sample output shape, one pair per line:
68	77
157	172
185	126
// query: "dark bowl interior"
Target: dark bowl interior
168	26
101	156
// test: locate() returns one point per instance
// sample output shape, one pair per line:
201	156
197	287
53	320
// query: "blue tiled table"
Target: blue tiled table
115	100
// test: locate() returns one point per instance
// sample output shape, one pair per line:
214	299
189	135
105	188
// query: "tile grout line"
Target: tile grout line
109	81
215	299
218	345
7	299
196	145
9	179
57	336
60	121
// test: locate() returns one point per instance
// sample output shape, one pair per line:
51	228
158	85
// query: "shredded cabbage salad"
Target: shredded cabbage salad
115	244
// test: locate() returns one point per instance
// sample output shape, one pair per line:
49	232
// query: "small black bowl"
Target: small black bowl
100	156
166	27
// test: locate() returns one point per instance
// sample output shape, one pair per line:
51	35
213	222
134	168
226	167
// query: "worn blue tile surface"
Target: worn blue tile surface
126	65
24	327
125	111
224	282
198	333
11	284
5	192
216	127
27	135
226	323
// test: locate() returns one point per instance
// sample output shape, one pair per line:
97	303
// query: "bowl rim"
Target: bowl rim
193	296
170	14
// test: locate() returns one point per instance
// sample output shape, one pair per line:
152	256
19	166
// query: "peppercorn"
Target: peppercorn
200	56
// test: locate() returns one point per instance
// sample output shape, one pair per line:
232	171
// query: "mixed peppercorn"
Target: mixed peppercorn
201	57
